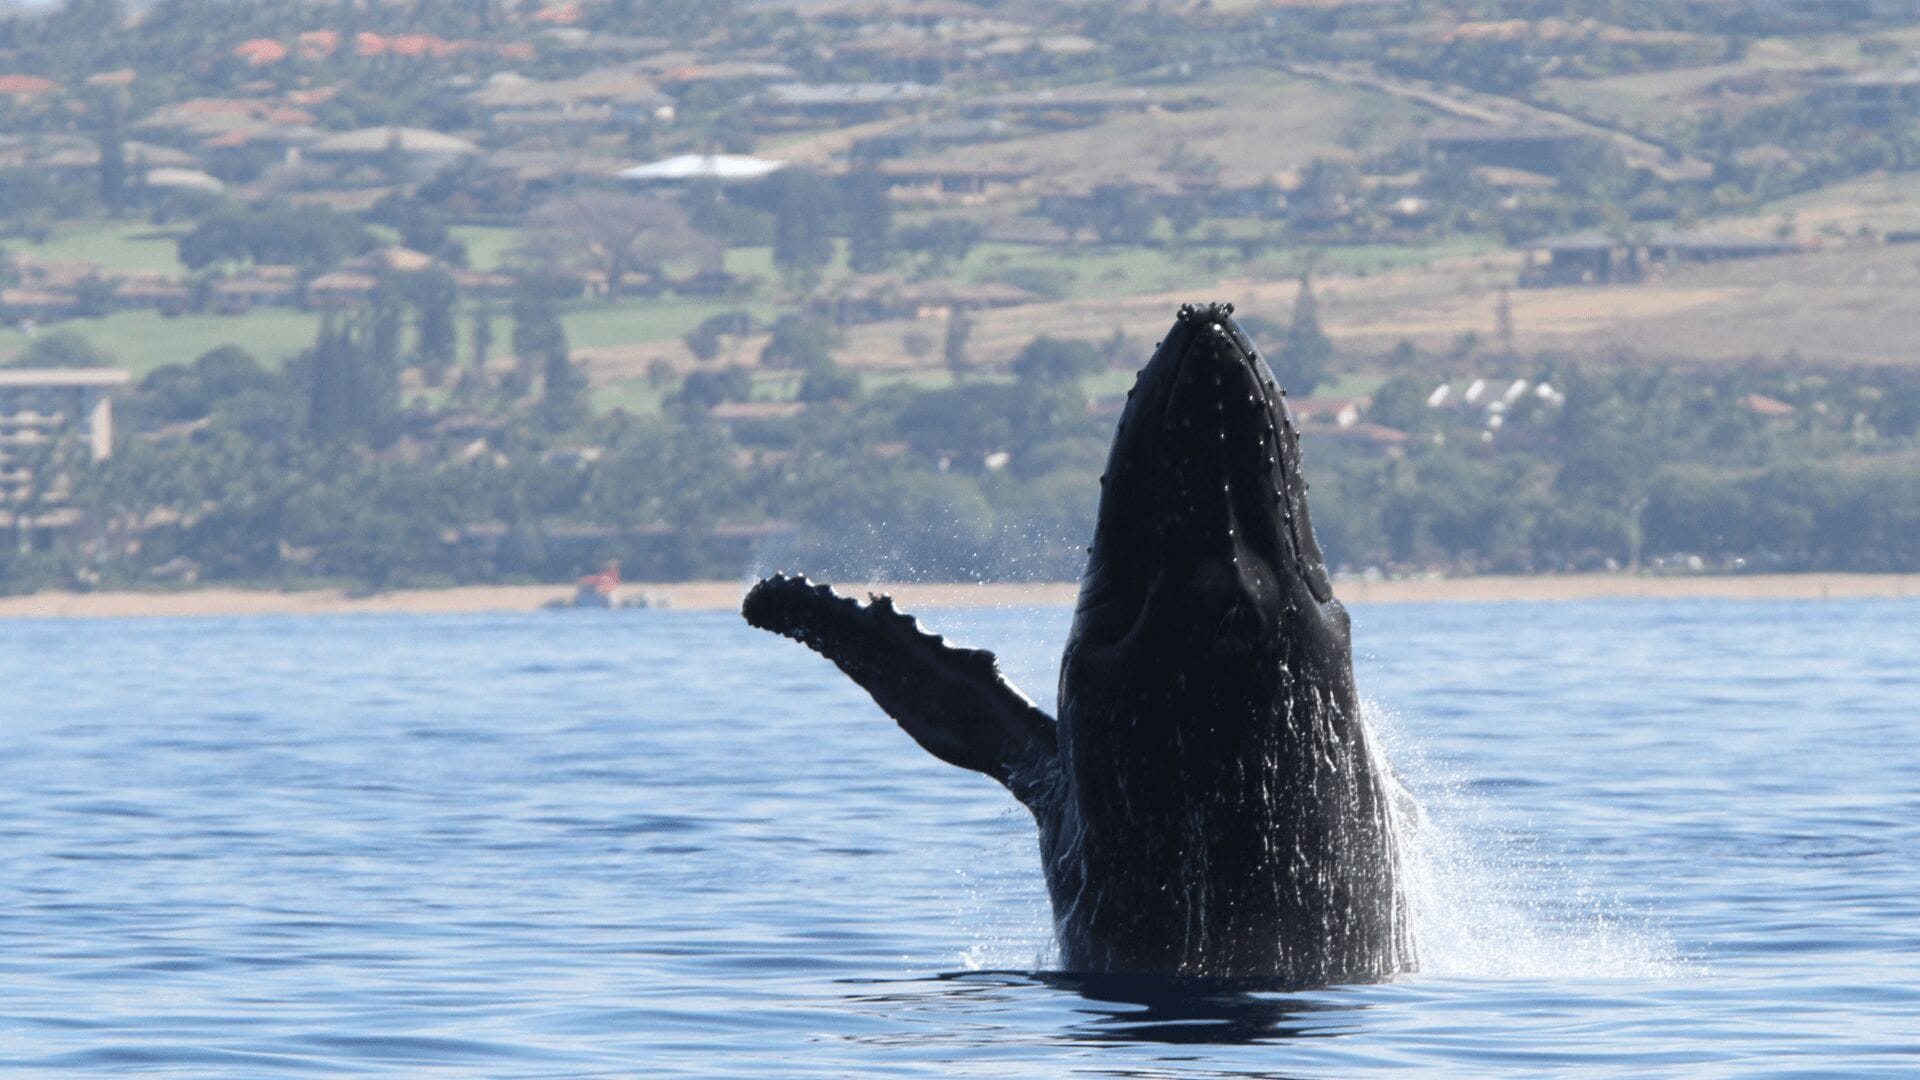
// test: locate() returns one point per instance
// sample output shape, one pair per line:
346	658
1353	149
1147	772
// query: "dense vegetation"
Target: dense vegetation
261	476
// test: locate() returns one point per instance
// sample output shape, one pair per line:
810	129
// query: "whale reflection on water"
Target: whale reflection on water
1147	1009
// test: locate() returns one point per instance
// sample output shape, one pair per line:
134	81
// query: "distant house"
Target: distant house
630	94
390	259
173	179
1580	259
376	141
161	294
751	412
481	283
80	162
340	290
1327	411
1596	259
238	295
37	305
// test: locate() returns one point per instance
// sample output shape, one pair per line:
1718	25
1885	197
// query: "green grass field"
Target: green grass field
122	246
143	340
487	246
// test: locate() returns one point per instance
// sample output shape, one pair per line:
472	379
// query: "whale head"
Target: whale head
1203	526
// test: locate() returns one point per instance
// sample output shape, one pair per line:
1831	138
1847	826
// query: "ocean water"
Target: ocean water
1656	838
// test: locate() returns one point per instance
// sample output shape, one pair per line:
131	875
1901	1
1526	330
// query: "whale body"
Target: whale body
1209	801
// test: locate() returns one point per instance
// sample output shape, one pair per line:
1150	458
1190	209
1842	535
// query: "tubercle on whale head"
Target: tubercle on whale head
1203	509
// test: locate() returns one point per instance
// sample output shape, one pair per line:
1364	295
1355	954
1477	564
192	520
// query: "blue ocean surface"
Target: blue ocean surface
1655	838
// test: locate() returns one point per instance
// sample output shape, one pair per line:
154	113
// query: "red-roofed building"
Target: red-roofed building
259	52
215	107
318	44
1766	407
26	85
419	45
319	95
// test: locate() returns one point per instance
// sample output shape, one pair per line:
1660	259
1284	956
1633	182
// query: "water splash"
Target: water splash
1003	904
1489	903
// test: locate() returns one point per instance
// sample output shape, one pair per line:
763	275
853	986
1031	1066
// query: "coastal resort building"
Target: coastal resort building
50	419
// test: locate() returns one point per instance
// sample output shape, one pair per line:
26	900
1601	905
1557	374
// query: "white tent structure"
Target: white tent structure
685	167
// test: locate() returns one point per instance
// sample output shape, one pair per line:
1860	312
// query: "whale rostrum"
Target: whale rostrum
1209	800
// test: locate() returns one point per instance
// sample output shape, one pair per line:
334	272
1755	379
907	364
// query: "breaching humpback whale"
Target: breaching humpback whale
1208	802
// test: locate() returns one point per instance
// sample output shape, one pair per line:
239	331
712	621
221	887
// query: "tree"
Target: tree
60	349
308	236
705	340
178	392
869	221
615	235
434	295
702	390
942	241
113	154
1301	363
828	382
798	342
803	208
1048	362
564	400
1120	214
389	320
537	335
953	350
473	380
333	380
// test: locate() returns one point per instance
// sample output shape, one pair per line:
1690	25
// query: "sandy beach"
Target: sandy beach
720	595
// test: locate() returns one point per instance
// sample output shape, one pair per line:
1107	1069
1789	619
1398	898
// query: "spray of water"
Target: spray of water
1486	904
1003	905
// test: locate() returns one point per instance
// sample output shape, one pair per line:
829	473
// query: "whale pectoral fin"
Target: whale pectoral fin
953	701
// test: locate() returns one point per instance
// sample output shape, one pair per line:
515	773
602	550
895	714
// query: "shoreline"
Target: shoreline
725	595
